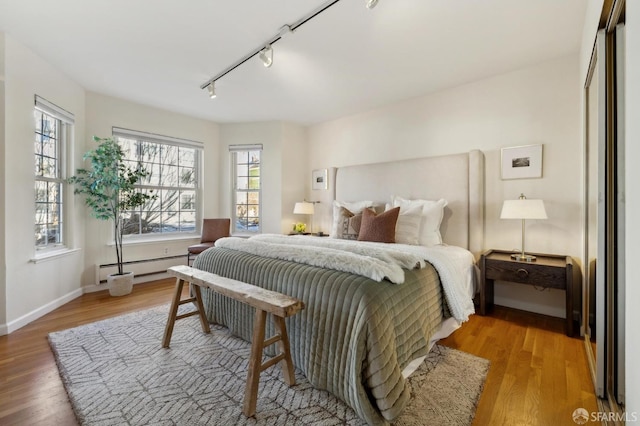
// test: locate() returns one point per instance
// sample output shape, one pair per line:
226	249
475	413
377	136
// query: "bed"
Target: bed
370	316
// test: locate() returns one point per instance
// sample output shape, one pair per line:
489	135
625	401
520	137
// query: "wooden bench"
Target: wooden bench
264	301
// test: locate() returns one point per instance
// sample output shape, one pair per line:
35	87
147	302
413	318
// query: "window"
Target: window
174	166
53	126
245	161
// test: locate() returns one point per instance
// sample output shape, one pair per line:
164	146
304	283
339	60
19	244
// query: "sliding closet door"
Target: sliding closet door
620	282
604	254
594	160
601	214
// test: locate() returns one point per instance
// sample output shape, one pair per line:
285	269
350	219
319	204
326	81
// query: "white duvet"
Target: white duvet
377	261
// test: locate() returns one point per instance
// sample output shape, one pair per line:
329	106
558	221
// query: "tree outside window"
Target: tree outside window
48	181
247	189
173	171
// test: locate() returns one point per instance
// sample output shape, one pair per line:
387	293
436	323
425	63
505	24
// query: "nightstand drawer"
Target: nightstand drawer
526	273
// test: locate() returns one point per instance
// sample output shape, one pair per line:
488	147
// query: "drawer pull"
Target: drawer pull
522	273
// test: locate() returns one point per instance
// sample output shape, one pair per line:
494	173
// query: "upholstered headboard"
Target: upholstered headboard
458	178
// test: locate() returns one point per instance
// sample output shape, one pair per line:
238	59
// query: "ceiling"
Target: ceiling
346	60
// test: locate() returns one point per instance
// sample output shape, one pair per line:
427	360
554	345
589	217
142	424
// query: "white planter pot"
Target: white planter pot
120	285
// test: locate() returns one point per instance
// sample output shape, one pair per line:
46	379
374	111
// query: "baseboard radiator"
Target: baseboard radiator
140	268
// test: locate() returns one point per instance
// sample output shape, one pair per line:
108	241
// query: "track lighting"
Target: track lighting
266	55
265	51
212	89
371	4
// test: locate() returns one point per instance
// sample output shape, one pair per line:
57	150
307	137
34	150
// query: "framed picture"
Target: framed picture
319	179
521	162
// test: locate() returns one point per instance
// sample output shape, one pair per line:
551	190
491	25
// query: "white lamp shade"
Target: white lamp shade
304	208
523	209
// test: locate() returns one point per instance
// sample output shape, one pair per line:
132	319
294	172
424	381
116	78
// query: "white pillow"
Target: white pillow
432	214
354	207
408	225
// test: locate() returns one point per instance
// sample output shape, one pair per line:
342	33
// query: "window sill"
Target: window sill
155	239
53	254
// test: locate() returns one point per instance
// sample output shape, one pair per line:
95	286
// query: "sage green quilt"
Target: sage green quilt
354	336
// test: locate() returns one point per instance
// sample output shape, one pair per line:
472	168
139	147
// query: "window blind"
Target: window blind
54	110
152	137
250	147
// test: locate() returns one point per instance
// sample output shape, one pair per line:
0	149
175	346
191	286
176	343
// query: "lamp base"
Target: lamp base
523	258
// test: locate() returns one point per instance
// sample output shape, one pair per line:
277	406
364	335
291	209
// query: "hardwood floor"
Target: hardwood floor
31	392
538	376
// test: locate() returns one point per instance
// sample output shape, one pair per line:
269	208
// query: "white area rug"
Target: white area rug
116	373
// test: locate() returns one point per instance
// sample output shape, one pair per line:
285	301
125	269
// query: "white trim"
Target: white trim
39	312
54	110
53	254
152	137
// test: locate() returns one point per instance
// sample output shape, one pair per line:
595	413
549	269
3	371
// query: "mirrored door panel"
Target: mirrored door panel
595	94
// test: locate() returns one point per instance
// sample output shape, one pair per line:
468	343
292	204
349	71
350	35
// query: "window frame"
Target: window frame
64	131
161	140
234	150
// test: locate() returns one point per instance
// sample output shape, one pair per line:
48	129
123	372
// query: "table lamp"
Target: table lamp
523	208
305	207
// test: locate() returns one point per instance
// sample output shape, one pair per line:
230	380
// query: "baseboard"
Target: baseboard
136	280
16	324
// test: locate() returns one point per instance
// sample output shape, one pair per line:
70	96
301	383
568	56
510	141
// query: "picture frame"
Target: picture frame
319	179
521	162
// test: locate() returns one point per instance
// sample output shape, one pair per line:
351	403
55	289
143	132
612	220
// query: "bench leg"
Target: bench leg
255	364
173	312
283	345
200	308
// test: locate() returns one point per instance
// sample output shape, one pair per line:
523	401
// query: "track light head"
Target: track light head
284	31
371	4
266	55
212	89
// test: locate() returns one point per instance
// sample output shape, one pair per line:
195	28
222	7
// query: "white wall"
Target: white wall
33	289
283	169
536	105
632	247
294	175
103	113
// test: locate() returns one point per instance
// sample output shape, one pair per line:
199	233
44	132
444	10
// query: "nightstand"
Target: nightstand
548	271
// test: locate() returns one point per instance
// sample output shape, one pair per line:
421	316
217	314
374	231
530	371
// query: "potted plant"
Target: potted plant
109	190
